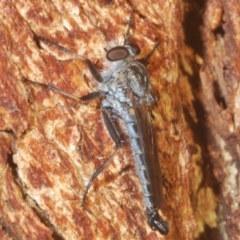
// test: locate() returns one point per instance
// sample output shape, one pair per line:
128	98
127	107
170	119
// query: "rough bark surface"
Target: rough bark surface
220	76
211	70
51	145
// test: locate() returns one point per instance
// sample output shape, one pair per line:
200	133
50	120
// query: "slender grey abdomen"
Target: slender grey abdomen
140	161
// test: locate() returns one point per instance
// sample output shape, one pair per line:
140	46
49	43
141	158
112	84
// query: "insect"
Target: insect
126	93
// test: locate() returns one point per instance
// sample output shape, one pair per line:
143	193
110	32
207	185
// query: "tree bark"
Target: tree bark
51	144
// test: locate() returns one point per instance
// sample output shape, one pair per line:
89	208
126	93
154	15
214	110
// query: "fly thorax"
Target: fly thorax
138	79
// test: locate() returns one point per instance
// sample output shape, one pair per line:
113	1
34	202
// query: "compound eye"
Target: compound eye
135	48
117	53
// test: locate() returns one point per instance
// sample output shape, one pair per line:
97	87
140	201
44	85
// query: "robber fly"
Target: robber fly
126	93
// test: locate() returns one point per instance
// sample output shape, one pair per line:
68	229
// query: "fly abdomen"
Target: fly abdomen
156	222
140	162
140	157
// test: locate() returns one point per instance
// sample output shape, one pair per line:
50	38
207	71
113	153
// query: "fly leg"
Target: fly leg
127	35
149	55
108	122
63	49
85	98
91	66
116	138
127	40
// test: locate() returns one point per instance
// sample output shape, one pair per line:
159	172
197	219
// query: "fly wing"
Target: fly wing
149	147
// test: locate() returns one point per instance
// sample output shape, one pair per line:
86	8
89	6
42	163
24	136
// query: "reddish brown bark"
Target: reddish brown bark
220	82
56	143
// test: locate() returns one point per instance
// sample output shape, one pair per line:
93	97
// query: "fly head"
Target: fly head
122	52
117	53
133	49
